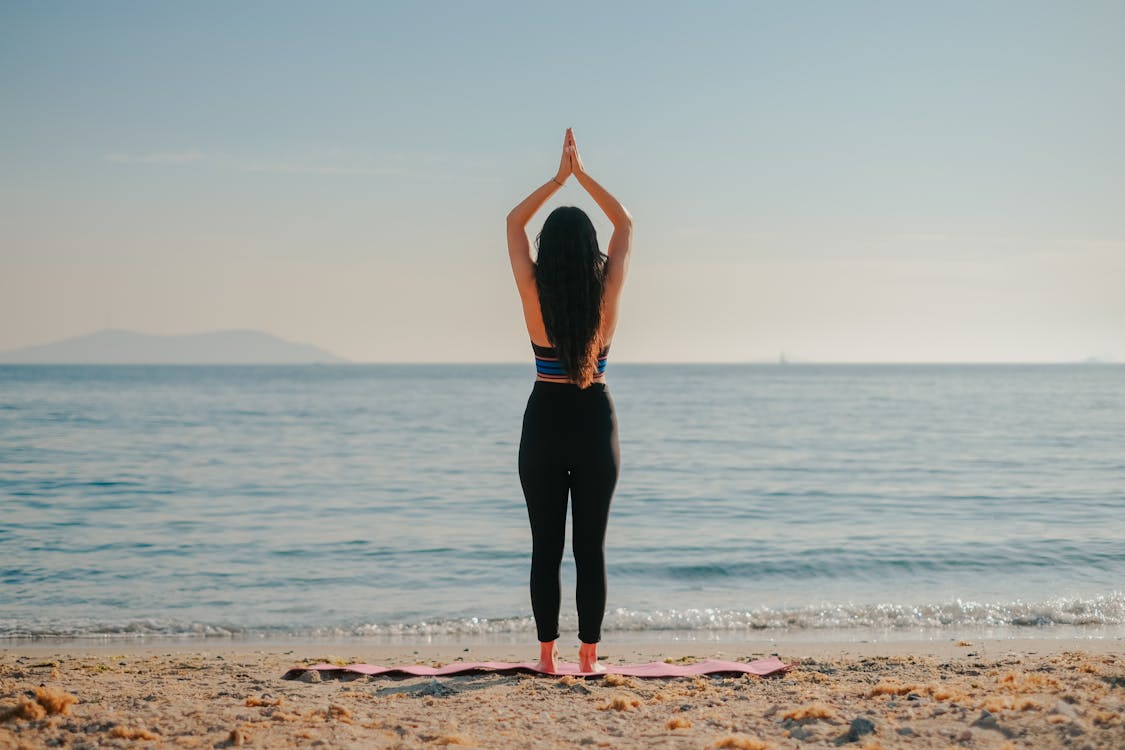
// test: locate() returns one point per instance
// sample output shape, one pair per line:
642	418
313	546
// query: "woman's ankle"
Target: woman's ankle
588	658
548	655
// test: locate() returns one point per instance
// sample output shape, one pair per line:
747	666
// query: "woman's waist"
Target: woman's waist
562	404
562	389
554	380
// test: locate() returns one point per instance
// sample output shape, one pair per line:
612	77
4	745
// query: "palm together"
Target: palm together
571	162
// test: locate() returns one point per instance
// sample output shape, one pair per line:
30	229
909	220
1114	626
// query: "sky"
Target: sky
838	182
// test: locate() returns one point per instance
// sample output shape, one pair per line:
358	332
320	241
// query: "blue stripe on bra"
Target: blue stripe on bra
547	363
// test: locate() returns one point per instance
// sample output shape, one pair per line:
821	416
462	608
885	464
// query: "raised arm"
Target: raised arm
519	248
620	243
614	211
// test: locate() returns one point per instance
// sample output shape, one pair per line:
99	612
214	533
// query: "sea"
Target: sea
381	503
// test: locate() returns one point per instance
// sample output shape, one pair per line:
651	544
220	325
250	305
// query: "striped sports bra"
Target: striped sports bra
548	367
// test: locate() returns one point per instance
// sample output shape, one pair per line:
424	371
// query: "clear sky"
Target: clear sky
841	181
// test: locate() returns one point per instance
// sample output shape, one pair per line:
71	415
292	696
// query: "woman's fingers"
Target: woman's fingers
566	162
576	159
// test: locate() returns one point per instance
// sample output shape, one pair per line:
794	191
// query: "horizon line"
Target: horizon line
658	363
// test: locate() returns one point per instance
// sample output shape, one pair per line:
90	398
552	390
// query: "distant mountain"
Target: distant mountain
129	348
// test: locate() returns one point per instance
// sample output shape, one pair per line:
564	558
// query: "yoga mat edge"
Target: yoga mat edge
761	667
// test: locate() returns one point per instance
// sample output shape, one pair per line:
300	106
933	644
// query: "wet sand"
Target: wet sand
983	694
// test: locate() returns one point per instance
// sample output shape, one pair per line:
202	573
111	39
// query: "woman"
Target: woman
570	295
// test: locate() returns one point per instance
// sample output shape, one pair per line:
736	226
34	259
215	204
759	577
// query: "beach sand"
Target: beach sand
984	694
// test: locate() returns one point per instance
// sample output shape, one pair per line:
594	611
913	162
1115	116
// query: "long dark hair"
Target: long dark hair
570	276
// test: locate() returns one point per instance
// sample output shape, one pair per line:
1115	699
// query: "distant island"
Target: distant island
113	347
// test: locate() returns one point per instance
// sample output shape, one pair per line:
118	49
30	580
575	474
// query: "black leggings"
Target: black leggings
569	445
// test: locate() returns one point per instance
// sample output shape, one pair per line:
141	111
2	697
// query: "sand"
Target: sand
987	694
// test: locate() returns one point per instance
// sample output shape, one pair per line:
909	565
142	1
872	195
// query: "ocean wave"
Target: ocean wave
876	562
1096	611
1016	616
137	628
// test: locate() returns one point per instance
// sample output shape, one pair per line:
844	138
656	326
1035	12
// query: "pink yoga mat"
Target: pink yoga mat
761	667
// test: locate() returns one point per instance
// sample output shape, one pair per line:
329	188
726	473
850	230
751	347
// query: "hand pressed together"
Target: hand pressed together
565	163
571	161
570	145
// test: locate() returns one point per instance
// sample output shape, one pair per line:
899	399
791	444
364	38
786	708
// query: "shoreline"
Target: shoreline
610	648
972	693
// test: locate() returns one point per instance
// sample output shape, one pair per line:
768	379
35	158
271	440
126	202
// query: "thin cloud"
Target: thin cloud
319	169
160	157
223	161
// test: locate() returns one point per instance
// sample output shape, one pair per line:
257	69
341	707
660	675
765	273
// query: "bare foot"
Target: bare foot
588	658
548	657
